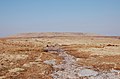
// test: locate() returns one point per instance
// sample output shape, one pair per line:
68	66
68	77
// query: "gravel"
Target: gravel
70	70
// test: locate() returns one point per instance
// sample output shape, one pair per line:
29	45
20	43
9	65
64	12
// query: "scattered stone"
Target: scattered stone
16	70
111	45
51	48
26	65
87	72
50	62
33	63
117	71
38	59
69	69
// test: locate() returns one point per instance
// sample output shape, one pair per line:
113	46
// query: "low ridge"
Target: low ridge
41	34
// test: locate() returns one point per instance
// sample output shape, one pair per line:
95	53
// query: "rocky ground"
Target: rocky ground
69	69
60	58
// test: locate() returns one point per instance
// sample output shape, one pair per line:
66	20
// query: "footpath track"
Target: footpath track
68	69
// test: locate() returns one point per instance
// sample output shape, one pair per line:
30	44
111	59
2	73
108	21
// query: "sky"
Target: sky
91	16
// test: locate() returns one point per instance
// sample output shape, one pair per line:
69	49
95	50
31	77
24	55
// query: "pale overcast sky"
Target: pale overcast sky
94	16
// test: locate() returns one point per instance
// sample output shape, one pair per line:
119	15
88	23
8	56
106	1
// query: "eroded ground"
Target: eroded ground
26	58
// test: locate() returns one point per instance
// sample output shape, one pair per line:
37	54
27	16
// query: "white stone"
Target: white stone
26	65
87	72
16	70
50	62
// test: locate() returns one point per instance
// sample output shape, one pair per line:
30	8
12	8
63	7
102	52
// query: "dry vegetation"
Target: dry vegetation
23	58
101	53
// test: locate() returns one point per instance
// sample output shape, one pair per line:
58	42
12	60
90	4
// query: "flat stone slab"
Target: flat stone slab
87	72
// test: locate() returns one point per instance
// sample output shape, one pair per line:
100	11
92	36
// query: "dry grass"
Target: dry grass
102	53
27	53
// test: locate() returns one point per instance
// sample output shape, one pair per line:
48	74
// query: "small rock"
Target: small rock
16	70
117	71
50	62
87	72
33	63
77	59
38	59
26	65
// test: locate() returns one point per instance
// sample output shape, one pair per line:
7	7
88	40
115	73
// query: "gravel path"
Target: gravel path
70	70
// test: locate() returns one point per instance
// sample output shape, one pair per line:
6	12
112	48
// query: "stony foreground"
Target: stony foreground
60	58
68	69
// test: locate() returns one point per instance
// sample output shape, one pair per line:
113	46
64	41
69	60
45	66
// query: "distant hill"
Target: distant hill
43	34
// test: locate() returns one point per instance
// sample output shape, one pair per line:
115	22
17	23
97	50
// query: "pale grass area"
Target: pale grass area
13	57
105	51
97	46
94	45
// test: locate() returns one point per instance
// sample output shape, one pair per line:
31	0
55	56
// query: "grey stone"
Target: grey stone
50	62
87	72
